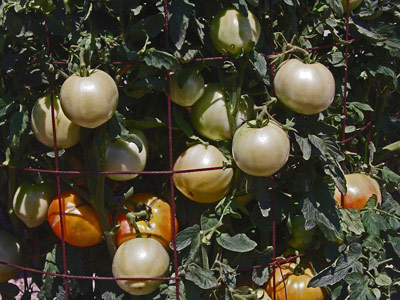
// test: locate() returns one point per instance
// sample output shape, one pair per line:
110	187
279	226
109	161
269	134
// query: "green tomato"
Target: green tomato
209	115
123	156
233	33
191	89
300	237
10	252
31	203
353	4
67	132
89	101
140	258
260	151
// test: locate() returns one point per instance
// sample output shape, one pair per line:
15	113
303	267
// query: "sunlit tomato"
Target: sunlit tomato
300	237
140	258
67	133
10	252
189	91
202	186
210	117
353	4
291	286
260	151
123	156
89	101
159	226
31	202
82	227
234	33
304	88
360	188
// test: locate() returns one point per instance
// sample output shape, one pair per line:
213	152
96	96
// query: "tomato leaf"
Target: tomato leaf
117	130
259	63
183	124
238	243
241	5
18	125
203	278
50	266
160	59
111	296
150	26
184	238
304	145
358	286
180	11
374	223
208	220
395	242
351	221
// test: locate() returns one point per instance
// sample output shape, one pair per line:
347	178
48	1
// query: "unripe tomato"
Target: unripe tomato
260	151
233	33
203	186
82	227
67	133
210	117
304	88
159	226
300	237
353	4
140	258
31	203
123	156
10	252
89	101
191	90
360	188
289	286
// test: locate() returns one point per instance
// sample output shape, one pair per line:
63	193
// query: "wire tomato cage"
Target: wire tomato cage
57	172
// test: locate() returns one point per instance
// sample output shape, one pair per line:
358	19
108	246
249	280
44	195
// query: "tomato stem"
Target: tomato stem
82	65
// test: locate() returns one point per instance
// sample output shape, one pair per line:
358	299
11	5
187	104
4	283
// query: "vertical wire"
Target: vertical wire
170	150
64	255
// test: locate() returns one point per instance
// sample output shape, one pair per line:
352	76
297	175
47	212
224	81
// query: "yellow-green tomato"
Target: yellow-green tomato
304	88
209	115
140	258
260	151
190	91
300	237
67	132
31	202
233	33
123	156
203	186
91	100
353	4
10	252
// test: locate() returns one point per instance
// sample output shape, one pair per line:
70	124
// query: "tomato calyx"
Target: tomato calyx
142	212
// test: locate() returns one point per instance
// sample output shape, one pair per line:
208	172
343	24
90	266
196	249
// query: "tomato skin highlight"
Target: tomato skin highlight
360	188
233	33
159	226
82	227
89	101
304	88
10	252
292	287
140	258
260	151
203	186
67	132
31	203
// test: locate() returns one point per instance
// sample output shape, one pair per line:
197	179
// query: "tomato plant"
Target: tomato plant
186	93
81	224
360	188
289	285
67	132
300	238
260	151
209	115
233	33
89	101
10	252
150	260
124	156
204	186
304	88
31	202
353	4
158	226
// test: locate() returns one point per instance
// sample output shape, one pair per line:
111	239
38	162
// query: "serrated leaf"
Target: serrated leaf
184	238
150	26
304	145
374	223
260	275
352	221
183	124
111	296
18	124
203	278
390	176
51	267
180	11
160	59
238	243
375	70
336	6
259	63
